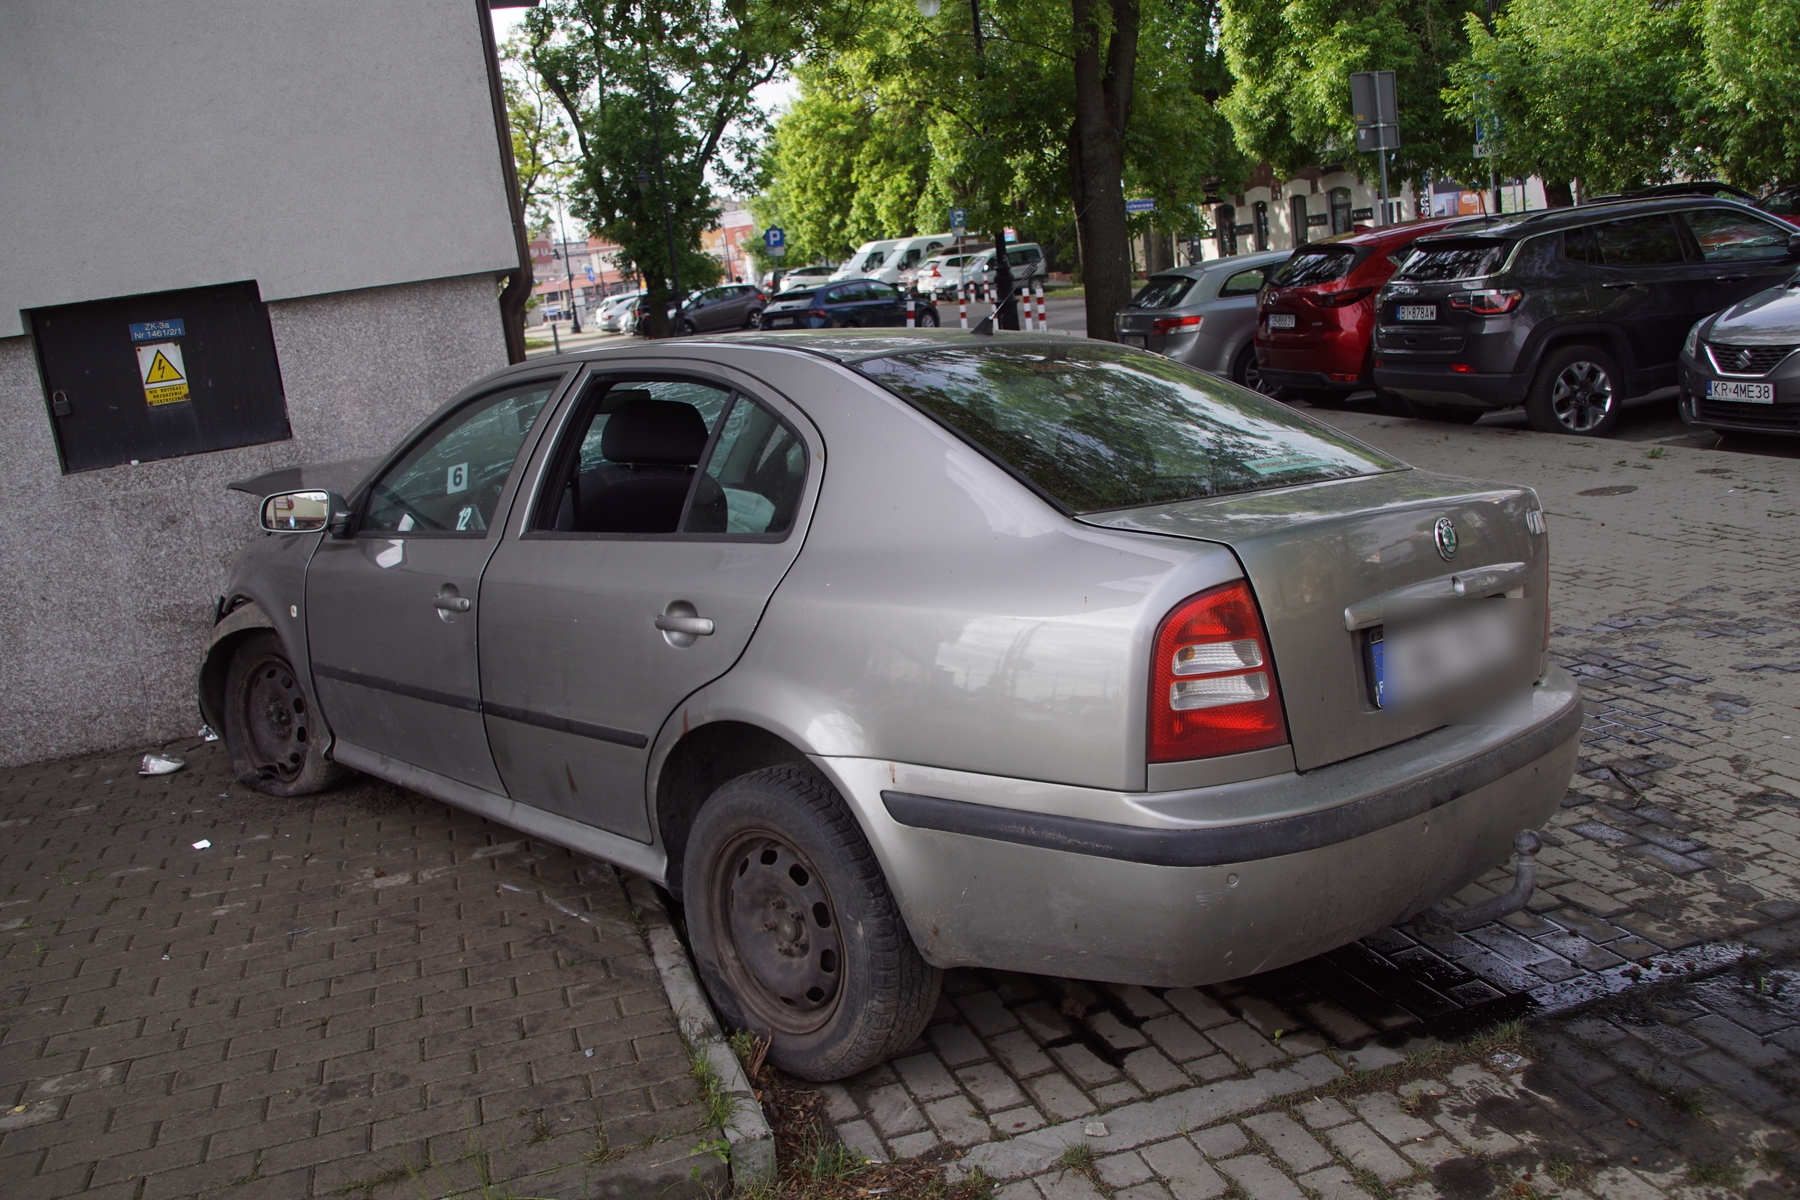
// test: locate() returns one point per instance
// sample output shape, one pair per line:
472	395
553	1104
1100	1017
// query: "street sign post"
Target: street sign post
775	241
959	221
1375	103
1138	206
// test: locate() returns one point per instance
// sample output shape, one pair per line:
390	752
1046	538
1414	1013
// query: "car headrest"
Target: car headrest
654	433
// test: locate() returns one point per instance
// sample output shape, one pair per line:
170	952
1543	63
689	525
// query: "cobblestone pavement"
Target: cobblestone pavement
204	991
1667	883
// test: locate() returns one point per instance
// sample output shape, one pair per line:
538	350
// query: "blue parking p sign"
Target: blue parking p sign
959	218
774	236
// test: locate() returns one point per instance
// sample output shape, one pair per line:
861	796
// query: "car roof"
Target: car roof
1235	262
1551	220
847	346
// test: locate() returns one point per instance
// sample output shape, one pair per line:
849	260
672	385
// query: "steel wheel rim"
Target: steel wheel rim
275	719
1253	379
1582	396
780	948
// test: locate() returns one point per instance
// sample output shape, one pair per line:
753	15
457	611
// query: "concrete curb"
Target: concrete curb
751	1141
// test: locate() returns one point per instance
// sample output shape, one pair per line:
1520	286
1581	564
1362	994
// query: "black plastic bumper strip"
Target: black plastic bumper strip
1228	844
380	684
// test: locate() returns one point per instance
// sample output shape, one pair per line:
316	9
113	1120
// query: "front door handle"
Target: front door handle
1618	286
449	601
1731	278
675	623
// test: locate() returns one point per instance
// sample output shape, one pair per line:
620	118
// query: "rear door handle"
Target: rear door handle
675	623
453	603
1731	278
1618	286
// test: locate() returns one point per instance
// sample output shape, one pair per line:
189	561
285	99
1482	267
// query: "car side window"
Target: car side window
450	481
1578	245
838	295
754	475
631	457
1725	235
1243	283
1639	241
881	291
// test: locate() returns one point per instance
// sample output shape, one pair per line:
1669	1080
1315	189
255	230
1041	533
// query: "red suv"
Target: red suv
1316	327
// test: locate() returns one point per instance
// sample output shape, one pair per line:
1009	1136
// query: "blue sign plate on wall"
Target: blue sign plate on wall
157	331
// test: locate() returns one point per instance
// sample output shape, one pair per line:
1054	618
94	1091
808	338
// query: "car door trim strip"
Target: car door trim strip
1247	842
586	729
429	695
600	733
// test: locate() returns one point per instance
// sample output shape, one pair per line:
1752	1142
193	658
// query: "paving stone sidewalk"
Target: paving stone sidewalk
1677	604
207	992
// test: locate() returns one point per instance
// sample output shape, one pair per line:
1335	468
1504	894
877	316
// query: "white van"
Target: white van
868	261
912	254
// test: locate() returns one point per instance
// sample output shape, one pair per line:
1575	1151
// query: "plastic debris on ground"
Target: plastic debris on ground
207	734
160	764
203	844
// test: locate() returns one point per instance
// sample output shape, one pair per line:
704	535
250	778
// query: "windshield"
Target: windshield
1163	291
1096	427
875	259
1454	260
1324	265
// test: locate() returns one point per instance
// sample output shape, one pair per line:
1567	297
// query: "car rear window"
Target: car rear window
1163	291
801	294
1470	259
1323	265
1095	427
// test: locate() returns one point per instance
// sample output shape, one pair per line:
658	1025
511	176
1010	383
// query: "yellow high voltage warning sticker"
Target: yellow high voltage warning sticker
165	376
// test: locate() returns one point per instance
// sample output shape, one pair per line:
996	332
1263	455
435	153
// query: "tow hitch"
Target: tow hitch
1438	922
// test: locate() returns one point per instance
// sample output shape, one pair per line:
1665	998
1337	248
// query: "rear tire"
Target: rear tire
276	742
1578	390
754	320
795	932
1246	373
926	319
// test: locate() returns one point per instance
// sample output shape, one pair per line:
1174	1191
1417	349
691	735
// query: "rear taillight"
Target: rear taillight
1490	303
1212	684
1163	325
1342	299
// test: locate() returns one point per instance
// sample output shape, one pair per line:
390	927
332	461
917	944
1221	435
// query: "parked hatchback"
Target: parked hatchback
1569	311
1740	369
719	309
849	304
1317	322
1203	315
892	651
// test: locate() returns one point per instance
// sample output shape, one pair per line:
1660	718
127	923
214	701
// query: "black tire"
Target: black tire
1578	390
276	742
1246	373
754	321
1444	414
684	328
926	318
795	932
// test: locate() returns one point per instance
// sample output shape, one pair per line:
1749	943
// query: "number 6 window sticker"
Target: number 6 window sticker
456	479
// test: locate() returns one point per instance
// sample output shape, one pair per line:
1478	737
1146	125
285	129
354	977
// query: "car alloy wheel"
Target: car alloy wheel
1582	396
784	954
926	319
754	321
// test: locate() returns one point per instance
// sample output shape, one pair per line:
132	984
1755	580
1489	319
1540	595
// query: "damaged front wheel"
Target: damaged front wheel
277	745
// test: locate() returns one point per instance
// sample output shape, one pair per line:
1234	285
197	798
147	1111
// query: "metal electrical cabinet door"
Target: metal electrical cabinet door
391	614
599	619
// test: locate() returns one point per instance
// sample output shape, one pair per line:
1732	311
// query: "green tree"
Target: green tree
1750	123
1597	90
659	95
540	138
1291	63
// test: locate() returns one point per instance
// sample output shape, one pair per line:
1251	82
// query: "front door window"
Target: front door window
451	480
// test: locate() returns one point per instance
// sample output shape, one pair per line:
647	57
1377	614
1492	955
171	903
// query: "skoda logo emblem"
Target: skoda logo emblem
1444	534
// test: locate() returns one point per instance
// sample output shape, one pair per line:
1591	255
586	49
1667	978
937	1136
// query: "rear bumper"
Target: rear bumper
1456	389
1315	380
1184	888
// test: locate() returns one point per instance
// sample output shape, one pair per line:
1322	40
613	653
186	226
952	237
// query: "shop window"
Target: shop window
1297	218
1225	229
160	375
1259	219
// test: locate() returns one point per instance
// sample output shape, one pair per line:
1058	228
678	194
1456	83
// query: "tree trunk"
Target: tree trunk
1558	193
653	316
1103	84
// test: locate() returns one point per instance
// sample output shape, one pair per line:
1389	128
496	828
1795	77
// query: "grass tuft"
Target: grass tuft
1721	1174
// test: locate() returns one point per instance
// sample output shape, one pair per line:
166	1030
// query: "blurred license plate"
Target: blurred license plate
1281	320
1427	661
1742	393
1133	339
1418	312
780	322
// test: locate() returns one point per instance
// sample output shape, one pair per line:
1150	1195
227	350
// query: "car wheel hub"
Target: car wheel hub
275	712
785	956
1582	397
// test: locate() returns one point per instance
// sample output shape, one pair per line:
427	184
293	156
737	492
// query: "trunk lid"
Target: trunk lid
1322	557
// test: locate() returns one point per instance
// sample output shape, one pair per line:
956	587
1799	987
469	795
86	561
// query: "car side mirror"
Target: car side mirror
305	512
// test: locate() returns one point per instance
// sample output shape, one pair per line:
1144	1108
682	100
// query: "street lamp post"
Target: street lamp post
562	252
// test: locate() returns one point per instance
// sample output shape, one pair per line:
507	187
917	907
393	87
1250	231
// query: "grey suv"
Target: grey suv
1570	311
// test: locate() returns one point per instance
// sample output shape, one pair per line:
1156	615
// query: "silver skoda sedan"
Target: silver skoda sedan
893	651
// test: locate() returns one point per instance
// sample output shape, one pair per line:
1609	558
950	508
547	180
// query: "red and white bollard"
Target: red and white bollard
1043	320
909	312
962	304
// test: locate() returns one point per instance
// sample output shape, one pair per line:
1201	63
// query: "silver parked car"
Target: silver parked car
889	651
1203	315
